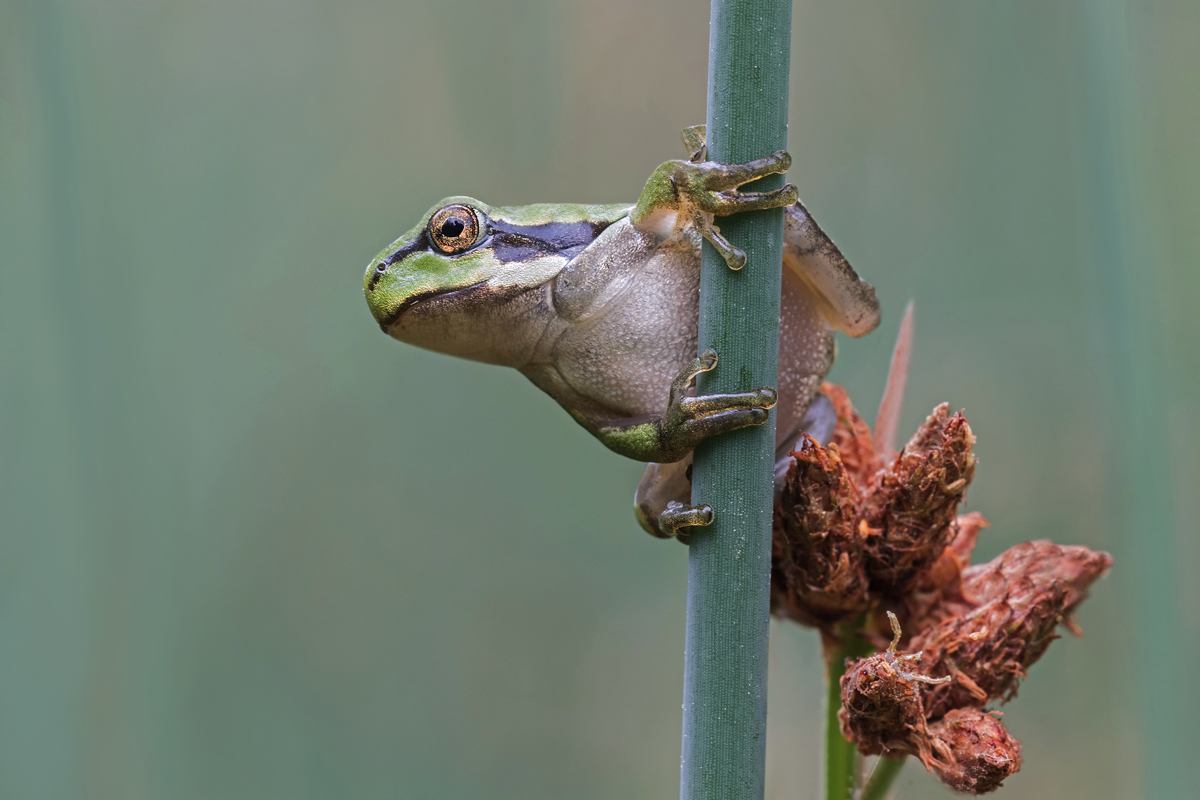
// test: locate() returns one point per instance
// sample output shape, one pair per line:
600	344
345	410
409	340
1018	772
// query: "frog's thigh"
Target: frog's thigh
806	353
847	301
660	484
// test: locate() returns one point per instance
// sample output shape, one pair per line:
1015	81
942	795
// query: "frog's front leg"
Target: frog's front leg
687	420
679	192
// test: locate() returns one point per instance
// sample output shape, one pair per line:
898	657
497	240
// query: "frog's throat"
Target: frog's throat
391	319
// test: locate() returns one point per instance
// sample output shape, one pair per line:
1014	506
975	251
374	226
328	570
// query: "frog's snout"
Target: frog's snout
379	299
375	273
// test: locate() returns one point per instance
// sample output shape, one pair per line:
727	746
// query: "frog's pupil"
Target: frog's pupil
452	228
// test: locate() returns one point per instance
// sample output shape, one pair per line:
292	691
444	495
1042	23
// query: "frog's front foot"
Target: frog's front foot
690	420
706	189
687	421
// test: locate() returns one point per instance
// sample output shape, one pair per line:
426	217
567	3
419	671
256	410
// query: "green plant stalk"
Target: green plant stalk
729	563
842	761
841	757
881	780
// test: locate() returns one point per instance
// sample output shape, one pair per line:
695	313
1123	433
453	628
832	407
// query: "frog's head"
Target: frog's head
449	284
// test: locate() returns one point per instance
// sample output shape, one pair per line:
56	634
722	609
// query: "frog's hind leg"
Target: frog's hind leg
661	484
847	302
665	485
821	293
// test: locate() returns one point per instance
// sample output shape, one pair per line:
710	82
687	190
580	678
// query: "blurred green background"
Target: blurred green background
250	547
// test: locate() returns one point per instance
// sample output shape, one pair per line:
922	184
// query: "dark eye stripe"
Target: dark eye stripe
516	242
513	242
415	246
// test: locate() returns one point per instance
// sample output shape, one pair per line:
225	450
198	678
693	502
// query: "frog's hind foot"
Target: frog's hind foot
678	519
664	486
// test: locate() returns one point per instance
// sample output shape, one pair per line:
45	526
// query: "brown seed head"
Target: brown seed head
817	566
881	702
1022	595
881	711
855	534
911	503
975	753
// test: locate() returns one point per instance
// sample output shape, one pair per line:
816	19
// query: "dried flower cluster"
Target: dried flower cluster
849	528
859	534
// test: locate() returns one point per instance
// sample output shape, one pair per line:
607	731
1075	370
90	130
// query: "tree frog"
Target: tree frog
598	304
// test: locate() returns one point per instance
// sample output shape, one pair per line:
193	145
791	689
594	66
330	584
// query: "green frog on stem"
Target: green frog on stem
598	306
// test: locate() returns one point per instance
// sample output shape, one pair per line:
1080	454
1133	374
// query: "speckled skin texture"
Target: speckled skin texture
604	327
617	343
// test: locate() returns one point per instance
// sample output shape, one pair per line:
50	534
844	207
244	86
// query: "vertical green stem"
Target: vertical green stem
841	757
842	761
729	566
886	771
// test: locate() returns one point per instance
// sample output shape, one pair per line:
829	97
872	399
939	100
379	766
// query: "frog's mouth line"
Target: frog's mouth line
394	317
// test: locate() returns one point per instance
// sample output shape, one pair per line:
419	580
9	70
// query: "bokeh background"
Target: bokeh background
250	547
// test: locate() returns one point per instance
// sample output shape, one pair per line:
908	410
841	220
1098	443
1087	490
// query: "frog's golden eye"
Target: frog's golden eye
454	228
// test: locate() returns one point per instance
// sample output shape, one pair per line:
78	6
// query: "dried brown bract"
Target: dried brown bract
911	504
881	702
882	712
937	593
1018	598
974	751
858	532
817	565
852	437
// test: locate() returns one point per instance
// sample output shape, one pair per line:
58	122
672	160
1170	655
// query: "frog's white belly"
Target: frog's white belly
625	356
